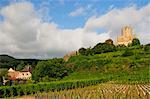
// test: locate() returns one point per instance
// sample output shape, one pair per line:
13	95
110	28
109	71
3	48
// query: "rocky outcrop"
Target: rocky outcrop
67	56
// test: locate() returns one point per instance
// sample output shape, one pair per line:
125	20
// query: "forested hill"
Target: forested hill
5	57
7	61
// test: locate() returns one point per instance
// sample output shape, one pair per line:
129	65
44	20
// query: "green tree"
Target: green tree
3	73
147	48
135	41
82	51
88	52
103	48
21	65
53	68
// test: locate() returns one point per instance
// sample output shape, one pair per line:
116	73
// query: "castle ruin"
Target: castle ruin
126	37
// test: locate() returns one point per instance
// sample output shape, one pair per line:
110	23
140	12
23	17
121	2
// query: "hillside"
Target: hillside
124	65
5	57
7	61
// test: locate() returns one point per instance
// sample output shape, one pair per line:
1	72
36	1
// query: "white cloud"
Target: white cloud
114	20
24	35
78	12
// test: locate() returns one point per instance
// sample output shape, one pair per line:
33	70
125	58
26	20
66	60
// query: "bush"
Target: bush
127	52
147	48
85	52
82	51
103	48
54	68
135	41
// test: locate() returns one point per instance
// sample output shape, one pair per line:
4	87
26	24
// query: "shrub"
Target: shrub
52	69
147	48
103	48
127	52
120	47
135	41
82	51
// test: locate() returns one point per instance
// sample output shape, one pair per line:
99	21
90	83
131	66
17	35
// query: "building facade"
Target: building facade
19	75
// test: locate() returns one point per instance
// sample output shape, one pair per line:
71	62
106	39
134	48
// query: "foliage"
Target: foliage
127	52
135	41
82	51
53	68
7	61
85	52
127	64
147	48
3	73
21	65
19	90
120	47
101	91
103	48
108	46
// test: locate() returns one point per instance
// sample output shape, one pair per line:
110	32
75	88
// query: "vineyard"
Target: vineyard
101	91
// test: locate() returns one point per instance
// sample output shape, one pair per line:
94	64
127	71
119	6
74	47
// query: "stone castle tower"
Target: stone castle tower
126	36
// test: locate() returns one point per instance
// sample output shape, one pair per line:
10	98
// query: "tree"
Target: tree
109	41
147	48
54	68
21	65
3	73
82	51
135	41
103	48
88	52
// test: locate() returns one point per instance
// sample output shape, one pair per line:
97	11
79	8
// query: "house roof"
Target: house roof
27	69
11	70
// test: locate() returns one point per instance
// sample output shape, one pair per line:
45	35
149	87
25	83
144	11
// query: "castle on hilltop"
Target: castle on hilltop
126	37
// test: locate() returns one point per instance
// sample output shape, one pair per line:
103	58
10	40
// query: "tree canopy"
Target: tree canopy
51	69
135	41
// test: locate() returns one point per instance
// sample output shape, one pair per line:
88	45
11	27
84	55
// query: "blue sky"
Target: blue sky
52	28
58	10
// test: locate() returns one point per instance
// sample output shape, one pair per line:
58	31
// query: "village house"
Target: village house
25	74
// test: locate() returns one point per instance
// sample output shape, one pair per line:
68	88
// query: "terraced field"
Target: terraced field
101	91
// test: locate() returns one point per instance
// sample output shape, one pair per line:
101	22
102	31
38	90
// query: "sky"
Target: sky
51	28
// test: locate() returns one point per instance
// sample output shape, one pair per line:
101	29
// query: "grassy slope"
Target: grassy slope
112	65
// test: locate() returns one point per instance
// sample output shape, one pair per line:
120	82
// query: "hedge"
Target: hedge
19	90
